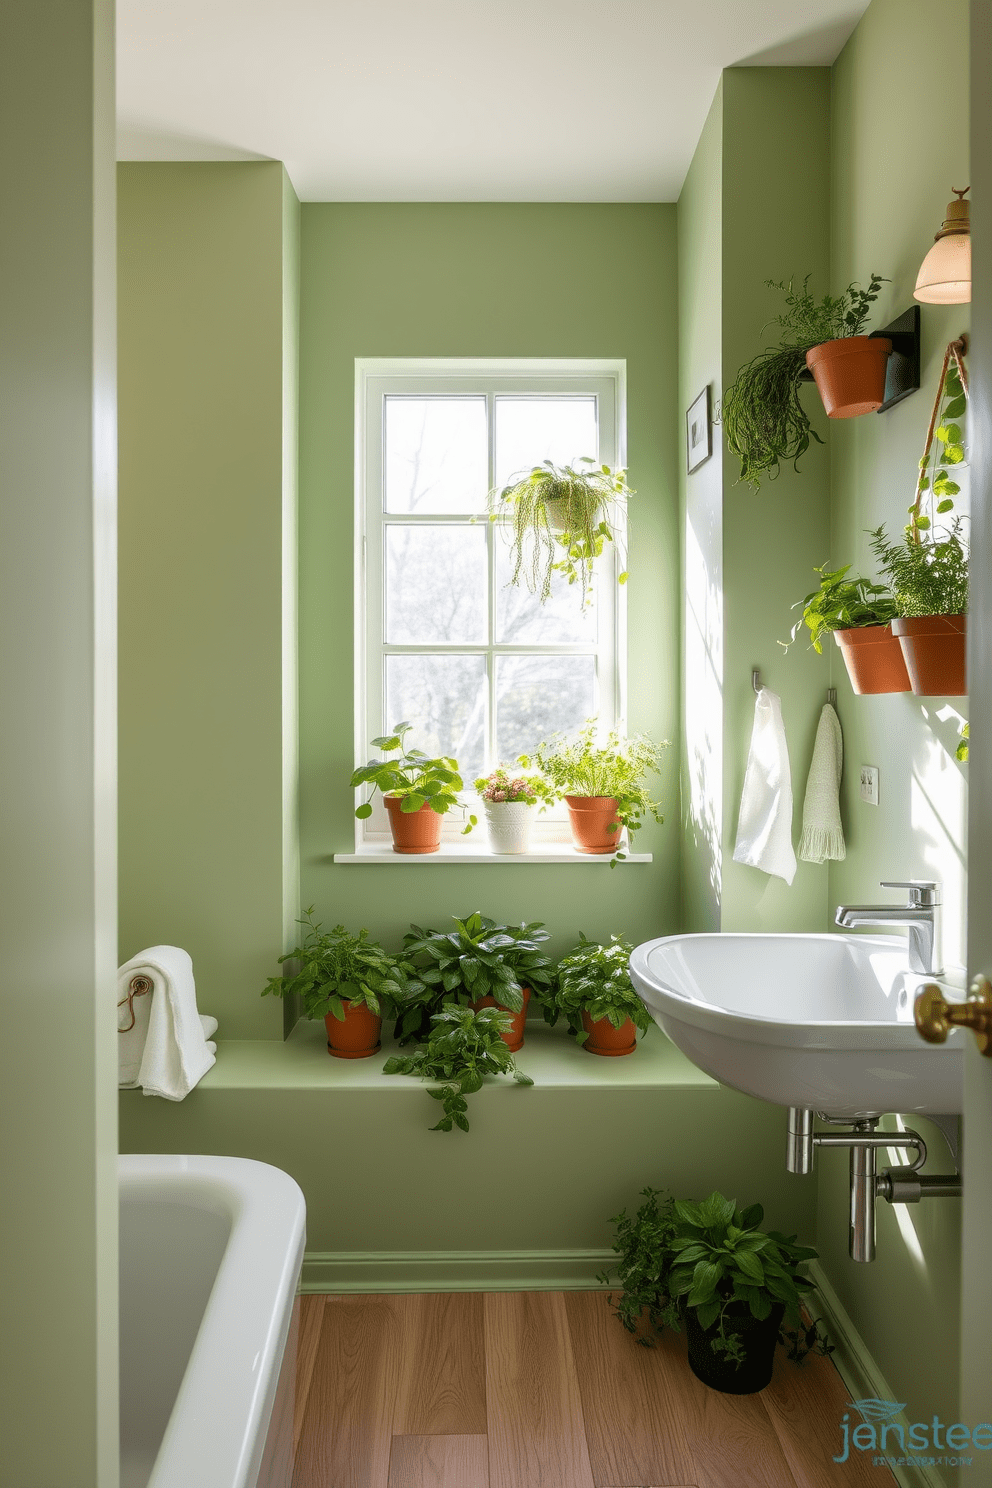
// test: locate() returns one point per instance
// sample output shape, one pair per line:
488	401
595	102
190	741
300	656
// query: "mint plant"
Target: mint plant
596	979
336	966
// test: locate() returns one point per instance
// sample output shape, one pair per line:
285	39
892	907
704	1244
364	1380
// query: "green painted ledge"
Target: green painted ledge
549	1056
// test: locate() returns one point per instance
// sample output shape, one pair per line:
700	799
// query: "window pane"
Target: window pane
435	585
521	619
531	430
444	697
436	454
537	696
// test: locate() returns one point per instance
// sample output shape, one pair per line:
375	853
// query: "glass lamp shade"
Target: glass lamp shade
945	274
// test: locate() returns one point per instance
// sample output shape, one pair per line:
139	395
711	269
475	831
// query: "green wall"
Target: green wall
748	555
58	1054
208	318
502	281
889	191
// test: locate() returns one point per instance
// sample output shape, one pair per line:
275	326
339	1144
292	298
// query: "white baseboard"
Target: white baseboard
453	1270
858	1369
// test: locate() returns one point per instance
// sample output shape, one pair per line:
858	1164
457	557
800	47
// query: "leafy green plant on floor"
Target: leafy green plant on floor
715	1259
841	603
595	979
337	966
762	413
462	1049
411	775
560	519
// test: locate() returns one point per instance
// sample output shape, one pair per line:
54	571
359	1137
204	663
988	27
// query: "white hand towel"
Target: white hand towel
764	827
167	1051
823	834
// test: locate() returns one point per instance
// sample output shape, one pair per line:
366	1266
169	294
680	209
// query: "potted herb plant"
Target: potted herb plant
602	784
509	803
416	791
348	980
595	995
481	964
860	614
762	412
712	1267
560	518
462	1049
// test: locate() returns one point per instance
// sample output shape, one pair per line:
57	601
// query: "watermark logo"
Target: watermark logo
901	1443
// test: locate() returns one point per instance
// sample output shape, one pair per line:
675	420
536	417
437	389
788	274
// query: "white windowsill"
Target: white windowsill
456	852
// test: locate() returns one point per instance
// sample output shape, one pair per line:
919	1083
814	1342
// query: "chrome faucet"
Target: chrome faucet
921	916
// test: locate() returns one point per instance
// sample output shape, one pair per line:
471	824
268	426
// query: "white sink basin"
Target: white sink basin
821	1021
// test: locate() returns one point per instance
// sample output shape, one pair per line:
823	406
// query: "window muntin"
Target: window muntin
483	671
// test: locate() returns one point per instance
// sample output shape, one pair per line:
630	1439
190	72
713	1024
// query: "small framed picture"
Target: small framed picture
698	431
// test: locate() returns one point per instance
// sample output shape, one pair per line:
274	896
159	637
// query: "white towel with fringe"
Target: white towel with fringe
163	1043
823	834
764	827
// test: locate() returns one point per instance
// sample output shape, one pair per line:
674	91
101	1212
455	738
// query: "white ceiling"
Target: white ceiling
451	100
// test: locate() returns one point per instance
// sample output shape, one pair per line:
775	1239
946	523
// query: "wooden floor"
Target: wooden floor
544	1390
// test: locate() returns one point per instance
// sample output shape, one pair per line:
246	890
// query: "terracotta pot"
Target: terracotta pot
590	817
850	374
935	649
874	659
514	1040
355	1038
509	825
605	1039
414	831
758	1337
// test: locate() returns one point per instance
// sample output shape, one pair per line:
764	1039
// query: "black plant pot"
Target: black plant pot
759	1337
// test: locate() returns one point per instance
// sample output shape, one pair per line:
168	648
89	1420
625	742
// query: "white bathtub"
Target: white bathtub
210	1257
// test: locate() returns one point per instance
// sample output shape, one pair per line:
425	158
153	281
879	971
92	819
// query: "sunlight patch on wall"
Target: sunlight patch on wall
704	704
938	817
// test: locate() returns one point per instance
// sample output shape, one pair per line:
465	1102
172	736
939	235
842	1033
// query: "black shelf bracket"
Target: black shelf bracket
902	370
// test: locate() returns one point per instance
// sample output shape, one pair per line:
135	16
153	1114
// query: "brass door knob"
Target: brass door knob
935	1017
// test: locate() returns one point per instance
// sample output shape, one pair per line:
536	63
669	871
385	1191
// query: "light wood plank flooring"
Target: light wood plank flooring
544	1390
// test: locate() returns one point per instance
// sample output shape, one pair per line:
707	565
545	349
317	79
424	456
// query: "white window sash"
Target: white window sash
378	378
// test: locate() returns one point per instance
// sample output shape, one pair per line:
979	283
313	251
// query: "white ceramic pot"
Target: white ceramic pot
509	825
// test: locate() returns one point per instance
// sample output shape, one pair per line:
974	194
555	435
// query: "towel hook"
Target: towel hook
756	679
832	696
137	987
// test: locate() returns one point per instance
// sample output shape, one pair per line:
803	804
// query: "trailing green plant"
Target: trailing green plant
712	1258
944	455
841	604
338	967
964	744
927	577
595	979
413	776
479	958
762	413
462	1049
580	766
560	519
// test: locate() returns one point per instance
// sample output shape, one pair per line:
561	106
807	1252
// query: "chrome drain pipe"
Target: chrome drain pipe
906	1185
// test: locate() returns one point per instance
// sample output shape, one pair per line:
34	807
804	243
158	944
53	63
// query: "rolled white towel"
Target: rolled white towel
764	827
823	834
167	1050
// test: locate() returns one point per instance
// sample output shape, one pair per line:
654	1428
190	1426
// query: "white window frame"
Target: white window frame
379	377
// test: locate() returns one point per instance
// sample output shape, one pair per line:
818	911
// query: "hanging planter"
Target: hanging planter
874	660
934	648
850	374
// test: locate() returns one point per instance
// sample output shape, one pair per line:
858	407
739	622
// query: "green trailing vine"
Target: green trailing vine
560	519
762	413
462	1049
